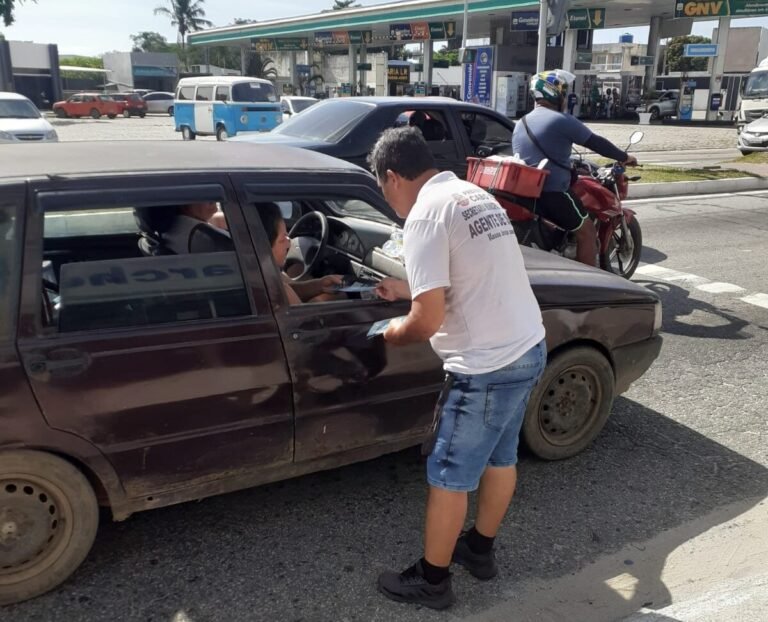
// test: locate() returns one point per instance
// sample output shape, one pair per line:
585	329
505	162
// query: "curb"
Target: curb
681	188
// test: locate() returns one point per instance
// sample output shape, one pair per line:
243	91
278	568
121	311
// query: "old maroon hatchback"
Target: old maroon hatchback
137	372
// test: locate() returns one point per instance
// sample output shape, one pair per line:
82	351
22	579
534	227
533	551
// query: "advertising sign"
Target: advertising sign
700	49
686	104
641	61
399	74
422	31
343	37
478	77
720	8
586	19
280	44
715	101
524	20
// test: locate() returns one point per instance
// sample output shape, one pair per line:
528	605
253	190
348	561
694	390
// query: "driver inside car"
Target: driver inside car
314	290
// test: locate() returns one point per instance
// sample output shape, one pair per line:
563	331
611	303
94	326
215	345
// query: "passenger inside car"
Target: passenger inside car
181	230
315	290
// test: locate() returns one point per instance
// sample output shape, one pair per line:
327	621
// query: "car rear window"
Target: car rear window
253	92
9	264
327	121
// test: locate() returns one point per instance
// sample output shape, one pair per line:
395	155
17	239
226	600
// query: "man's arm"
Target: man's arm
307	290
393	289
424	320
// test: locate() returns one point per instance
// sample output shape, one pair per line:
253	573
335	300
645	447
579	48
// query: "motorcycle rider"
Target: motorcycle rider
551	134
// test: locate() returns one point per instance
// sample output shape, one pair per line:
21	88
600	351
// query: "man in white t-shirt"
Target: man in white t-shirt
472	300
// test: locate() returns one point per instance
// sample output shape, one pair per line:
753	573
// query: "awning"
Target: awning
83	69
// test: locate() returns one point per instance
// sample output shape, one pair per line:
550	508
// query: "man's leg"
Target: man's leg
497	487
446	512
586	243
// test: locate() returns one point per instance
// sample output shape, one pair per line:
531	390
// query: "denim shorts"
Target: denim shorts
481	420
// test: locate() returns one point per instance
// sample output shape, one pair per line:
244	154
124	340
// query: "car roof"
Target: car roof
415	102
220	80
82	158
12	95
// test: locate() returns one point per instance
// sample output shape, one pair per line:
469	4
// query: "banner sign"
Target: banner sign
342	37
525	20
700	50
280	44
720	8
478	77
399	74
641	60
422	31
586	19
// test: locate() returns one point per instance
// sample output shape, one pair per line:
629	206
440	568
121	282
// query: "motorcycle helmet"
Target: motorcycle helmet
551	86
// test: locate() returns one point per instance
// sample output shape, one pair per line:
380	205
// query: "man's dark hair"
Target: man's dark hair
403	151
271	216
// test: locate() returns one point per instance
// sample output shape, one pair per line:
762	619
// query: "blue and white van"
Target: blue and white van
225	105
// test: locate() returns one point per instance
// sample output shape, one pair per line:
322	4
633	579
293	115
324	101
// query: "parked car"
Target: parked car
159	102
87	105
21	121
754	136
293	104
135	378
131	104
348	127
141	92
665	105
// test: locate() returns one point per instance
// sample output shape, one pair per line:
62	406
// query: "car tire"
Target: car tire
745	151
655	113
112	116
570	405
187	133
61	113
170	111
627	265
95	114
142	115
221	133
127	114
49	515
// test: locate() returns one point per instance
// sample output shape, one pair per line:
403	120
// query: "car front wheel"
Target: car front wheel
95	114
655	113
48	521
170	111
61	113
221	133
570	405
126	113
187	133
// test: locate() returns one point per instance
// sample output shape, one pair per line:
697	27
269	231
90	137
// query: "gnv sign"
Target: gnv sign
720	8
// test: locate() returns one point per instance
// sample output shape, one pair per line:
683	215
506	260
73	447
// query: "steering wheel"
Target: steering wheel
307	249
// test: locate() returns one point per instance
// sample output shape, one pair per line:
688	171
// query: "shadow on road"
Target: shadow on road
651	255
310	548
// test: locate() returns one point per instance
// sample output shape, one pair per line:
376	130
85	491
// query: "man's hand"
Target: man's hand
393	289
331	282
631	161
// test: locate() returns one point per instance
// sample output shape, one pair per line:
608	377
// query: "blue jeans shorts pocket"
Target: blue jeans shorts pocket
499	400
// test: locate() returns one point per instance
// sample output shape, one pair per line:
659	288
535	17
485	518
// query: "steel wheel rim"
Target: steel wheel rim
35	526
617	259
569	404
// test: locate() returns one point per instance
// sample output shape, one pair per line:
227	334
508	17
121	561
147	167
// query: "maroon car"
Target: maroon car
130	104
134	377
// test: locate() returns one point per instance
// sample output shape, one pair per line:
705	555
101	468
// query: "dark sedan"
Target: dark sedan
347	128
135	375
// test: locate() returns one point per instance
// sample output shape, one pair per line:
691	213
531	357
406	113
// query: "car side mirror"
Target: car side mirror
486	151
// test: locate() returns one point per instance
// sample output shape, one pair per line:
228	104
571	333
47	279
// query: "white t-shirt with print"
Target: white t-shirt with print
458	237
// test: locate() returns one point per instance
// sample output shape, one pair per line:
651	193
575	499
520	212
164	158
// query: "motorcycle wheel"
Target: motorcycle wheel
617	258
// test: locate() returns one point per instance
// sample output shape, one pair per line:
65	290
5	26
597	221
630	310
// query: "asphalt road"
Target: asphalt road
689	438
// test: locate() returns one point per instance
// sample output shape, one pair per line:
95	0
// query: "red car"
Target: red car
87	104
131	104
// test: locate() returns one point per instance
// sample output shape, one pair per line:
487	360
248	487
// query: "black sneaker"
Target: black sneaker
410	586
480	565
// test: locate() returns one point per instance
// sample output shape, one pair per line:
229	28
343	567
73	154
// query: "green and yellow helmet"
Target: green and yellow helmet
551	86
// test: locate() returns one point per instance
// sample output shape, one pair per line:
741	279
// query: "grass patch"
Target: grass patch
653	174
756	157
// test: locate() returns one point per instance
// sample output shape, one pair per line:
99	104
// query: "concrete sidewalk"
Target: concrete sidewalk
710	570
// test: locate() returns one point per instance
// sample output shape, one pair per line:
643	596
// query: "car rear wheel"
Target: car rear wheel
170	111
570	405
142	114
655	113
48	521
221	133
187	133
126	113
61	113
745	151
95	114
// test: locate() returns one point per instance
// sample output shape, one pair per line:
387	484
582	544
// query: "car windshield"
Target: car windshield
328	121
18	109
757	85
253	92
358	209
302	104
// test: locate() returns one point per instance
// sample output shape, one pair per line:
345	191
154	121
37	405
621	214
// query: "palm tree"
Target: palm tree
261	67
186	15
340	5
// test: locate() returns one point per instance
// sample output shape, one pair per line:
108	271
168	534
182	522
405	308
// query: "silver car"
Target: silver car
754	136
159	102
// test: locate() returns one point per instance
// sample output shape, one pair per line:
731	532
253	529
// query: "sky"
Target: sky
91	27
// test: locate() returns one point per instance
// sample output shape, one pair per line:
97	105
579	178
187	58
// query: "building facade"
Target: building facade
31	69
142	70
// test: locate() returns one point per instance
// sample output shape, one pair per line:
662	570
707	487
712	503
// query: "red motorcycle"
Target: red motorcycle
601	190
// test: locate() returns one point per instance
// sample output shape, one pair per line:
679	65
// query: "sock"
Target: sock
478	543
434	574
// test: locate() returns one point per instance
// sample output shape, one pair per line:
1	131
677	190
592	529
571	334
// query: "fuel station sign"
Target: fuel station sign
720	8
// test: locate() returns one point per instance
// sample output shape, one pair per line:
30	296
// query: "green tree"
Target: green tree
449	56
677	62
340	5
148	41
260	66
187	15
91	62
6	10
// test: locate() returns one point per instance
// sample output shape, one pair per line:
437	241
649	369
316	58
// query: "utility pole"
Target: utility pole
541	56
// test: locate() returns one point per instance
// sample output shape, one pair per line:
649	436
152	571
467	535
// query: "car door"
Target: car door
75	105
204	110
171	365
351	393
482	129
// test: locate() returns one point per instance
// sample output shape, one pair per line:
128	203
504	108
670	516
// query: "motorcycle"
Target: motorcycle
601	191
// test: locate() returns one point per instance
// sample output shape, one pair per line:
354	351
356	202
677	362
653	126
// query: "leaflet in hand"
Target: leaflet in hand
378	328
357	288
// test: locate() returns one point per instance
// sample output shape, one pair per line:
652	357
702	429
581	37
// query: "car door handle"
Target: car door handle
64	362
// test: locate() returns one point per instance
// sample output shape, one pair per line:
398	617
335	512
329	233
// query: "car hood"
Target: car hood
561	282
760	125
22	126
277	139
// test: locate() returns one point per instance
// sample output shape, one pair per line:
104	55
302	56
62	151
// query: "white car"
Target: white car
21	121
754	136
160	102
293	104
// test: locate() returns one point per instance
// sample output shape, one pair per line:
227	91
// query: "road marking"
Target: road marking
760	300
689	197
700	283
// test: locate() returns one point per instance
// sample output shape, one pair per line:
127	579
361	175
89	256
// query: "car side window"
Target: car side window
75	99
222	94
187	93
432	123
204	93
137	265
9	262
483	129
